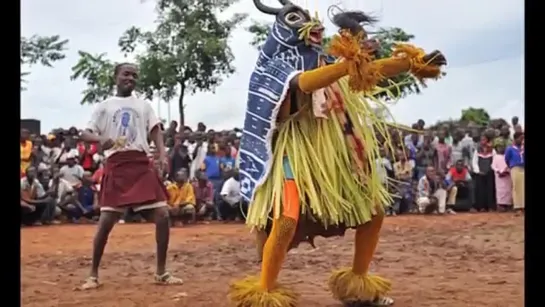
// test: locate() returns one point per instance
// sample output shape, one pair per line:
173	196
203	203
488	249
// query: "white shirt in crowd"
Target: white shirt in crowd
126	120
25	184
63	155
382	165
64	188
231	191
199	159
72	174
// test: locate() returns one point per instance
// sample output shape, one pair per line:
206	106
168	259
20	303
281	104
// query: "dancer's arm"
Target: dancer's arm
407	58
312	80
92	133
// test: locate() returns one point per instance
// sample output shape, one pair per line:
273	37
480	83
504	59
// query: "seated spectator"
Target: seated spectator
403	171
87	202
460	177
451	192
181	197
65	195
72	172
204	195
36	207
231	204
432	198
44	177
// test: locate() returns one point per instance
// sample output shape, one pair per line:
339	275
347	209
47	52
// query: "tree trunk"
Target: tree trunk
181	106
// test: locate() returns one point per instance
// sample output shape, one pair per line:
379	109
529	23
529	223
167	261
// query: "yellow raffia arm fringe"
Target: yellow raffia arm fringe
420	69
363	74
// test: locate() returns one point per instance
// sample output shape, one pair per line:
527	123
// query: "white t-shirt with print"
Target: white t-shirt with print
126	120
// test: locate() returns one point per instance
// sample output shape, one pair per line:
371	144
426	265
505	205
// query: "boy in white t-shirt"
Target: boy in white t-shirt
122	125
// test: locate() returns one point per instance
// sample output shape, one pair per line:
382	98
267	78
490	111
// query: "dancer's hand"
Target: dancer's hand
107	143
435	58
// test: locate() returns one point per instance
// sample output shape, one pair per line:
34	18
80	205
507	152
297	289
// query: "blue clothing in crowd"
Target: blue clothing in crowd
227	162
514	156
86	196
212	167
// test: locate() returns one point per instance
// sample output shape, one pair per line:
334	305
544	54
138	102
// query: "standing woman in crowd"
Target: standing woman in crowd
515	159
485	198
444	152
504	186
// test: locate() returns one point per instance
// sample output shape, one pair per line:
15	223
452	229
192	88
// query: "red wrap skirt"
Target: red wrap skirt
129	180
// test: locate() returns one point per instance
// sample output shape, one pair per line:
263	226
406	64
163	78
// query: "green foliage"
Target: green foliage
478	116
97	71
260	31
408	83
187	52
43	50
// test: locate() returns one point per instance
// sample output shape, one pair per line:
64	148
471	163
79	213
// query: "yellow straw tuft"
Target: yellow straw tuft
248	293
420	69
363	73
347	286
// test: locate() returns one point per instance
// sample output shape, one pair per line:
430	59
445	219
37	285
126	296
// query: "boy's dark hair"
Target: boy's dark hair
118	67
517	134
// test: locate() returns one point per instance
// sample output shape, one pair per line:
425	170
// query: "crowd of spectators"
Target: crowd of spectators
441	171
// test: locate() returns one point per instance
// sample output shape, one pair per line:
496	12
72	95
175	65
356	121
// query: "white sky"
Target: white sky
483	42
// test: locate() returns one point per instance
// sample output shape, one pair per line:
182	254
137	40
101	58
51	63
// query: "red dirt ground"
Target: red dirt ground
464	260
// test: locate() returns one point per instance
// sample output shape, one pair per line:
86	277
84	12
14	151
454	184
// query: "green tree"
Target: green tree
387	38
187	52
43	50
97	71
478	116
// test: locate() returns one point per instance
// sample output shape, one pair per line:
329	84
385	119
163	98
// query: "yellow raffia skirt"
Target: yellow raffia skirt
334	185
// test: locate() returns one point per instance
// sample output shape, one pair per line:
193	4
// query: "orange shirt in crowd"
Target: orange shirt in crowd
178	195
26	152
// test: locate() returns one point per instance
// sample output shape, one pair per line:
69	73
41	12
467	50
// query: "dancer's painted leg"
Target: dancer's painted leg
355	286
265	291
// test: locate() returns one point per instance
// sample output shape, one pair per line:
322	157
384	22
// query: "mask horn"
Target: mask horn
265	9
284	2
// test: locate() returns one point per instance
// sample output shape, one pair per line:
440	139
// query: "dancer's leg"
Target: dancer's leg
159	215
106	223
266	291
355	286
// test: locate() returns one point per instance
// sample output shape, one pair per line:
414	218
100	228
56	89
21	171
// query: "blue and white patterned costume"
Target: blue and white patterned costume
282	57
